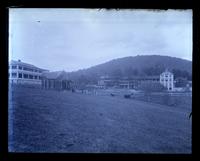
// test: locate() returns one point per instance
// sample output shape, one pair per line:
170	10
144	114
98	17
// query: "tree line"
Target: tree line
93	77
149	71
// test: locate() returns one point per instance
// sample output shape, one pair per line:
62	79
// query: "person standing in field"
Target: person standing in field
190	115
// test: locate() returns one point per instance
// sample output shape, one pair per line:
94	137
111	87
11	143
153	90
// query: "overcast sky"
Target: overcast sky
72	39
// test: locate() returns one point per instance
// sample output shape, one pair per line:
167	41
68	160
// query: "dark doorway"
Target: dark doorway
64	85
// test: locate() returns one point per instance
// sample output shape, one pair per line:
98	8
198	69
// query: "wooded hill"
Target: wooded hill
145	65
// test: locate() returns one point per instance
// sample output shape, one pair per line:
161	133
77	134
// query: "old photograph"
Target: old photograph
100	81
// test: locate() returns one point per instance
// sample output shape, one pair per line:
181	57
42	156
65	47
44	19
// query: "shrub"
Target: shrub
127	96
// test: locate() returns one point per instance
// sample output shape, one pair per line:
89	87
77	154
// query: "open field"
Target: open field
181	100
62	121
175	100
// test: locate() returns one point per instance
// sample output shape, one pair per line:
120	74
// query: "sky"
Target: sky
73	39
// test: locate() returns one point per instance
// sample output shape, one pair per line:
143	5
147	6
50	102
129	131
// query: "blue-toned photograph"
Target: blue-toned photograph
100	81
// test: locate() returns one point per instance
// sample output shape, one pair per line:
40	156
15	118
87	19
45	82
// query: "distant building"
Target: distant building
105	82
24	73
128	83
135	82
56	80
167	80
182	84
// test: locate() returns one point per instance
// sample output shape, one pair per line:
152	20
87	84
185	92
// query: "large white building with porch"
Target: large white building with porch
167	80
24	73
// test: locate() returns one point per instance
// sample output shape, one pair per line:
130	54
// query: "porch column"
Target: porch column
47	84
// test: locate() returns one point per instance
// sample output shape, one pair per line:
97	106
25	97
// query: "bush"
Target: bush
127	96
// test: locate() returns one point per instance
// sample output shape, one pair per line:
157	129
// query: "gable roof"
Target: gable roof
14	62
167	71
60	75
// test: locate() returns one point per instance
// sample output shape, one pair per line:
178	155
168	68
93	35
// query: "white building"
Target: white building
23	73
167	80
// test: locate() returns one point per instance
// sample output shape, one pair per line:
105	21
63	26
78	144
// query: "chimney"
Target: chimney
19	60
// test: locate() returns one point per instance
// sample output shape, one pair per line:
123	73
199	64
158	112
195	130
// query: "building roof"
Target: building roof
146	77
166	72
132	78
14	62
60	75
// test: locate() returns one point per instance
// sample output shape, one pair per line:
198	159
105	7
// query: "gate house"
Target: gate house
56	80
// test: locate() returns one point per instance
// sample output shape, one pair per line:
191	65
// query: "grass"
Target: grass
182	101
56	121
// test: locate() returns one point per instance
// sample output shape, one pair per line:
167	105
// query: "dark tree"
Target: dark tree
157	69
83	79
181	82
128	71
181	73
117	73
135	72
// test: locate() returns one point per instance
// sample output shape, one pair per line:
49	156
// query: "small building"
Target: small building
167	80
180	82
24	73
108	82
56	80
183	85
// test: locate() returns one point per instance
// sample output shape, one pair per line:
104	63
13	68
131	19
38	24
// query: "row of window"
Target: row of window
26	76
166	80
167	76
24	68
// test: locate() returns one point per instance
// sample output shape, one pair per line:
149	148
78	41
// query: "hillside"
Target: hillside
138	65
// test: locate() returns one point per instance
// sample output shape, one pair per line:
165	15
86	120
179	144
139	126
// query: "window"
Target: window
20	67
25	75
25	68
14	67
30	76
36	77
39	77
20	75
14	75
28	69
8	75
